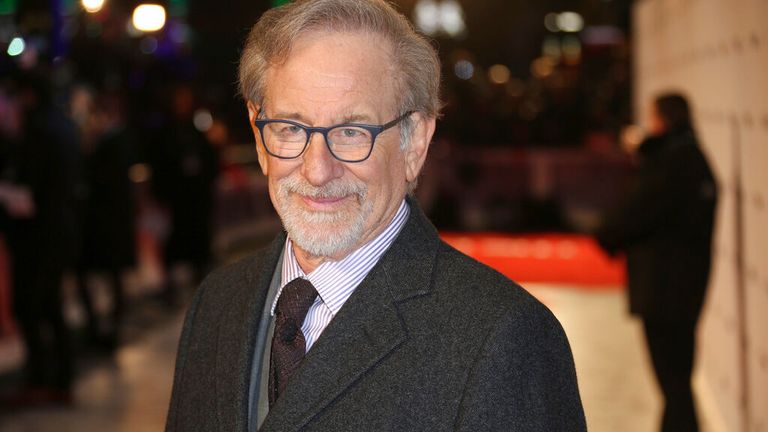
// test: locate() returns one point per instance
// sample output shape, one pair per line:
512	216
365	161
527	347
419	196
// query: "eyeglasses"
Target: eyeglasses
348	142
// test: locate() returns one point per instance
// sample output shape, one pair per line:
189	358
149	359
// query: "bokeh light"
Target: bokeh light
149	17
542	67
452	18
140	173
203	120
550	22
92	6
631	137
498	74
16	47
570	22
464	69
427	16
432	17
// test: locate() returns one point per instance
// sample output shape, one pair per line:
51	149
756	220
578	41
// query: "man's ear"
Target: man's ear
416	153
253	113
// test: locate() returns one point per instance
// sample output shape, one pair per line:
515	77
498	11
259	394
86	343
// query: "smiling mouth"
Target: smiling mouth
324	203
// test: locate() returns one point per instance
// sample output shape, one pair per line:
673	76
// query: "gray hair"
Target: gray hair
272	37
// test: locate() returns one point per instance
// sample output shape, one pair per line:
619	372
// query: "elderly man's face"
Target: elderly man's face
329	207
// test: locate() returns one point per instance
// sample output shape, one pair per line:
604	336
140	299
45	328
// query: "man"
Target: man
359	318
664	223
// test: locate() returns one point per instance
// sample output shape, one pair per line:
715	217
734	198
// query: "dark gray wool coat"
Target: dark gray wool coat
431	340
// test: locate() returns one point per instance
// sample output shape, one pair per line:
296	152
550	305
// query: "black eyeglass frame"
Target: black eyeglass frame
374	130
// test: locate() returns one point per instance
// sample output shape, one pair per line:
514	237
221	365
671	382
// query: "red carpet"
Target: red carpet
550	258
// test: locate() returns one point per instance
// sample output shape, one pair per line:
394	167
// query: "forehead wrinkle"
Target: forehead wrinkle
325	86
345	113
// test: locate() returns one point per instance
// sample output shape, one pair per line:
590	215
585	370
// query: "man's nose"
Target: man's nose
318	164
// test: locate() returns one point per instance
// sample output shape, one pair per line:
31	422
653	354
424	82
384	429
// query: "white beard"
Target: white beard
321	233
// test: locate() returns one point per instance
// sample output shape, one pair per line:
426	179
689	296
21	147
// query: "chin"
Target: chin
323	233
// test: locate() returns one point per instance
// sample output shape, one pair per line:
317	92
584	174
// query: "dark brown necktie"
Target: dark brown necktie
288	343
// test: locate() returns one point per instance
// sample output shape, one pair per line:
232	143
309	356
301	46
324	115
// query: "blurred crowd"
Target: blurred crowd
89	165
74	177
110	142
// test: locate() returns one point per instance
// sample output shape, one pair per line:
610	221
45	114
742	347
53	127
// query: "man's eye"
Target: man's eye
351	133
290	130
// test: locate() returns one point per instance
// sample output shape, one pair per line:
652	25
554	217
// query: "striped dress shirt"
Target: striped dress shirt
335	281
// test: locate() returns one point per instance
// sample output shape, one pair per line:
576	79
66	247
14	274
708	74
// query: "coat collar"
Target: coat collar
236	338
367	328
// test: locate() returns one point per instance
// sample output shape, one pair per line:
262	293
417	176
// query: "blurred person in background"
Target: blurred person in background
10	125
108	216
43	239
10	132
185	177
664	224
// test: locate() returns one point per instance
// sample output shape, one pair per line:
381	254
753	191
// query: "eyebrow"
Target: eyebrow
349	118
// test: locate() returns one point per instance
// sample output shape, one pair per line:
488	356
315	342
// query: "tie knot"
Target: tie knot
295	299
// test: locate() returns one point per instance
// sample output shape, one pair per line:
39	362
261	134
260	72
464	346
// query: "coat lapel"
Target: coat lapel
367	328
238	325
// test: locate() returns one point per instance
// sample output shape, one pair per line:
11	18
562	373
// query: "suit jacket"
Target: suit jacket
430	340
664	223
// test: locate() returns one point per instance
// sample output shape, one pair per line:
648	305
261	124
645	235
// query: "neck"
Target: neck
309	262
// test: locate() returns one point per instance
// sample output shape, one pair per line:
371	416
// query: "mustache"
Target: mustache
336	188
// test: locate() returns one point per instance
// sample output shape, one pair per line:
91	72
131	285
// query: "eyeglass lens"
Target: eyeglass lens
347	143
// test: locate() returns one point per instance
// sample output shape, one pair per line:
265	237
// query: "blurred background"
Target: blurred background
135	110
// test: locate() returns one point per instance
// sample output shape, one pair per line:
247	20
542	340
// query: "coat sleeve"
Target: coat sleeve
181	356
523	379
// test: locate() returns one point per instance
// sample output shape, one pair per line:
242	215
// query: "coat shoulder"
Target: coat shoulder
515	343
485	290
231	280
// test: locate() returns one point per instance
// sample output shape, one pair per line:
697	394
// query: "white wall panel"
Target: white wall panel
716	52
